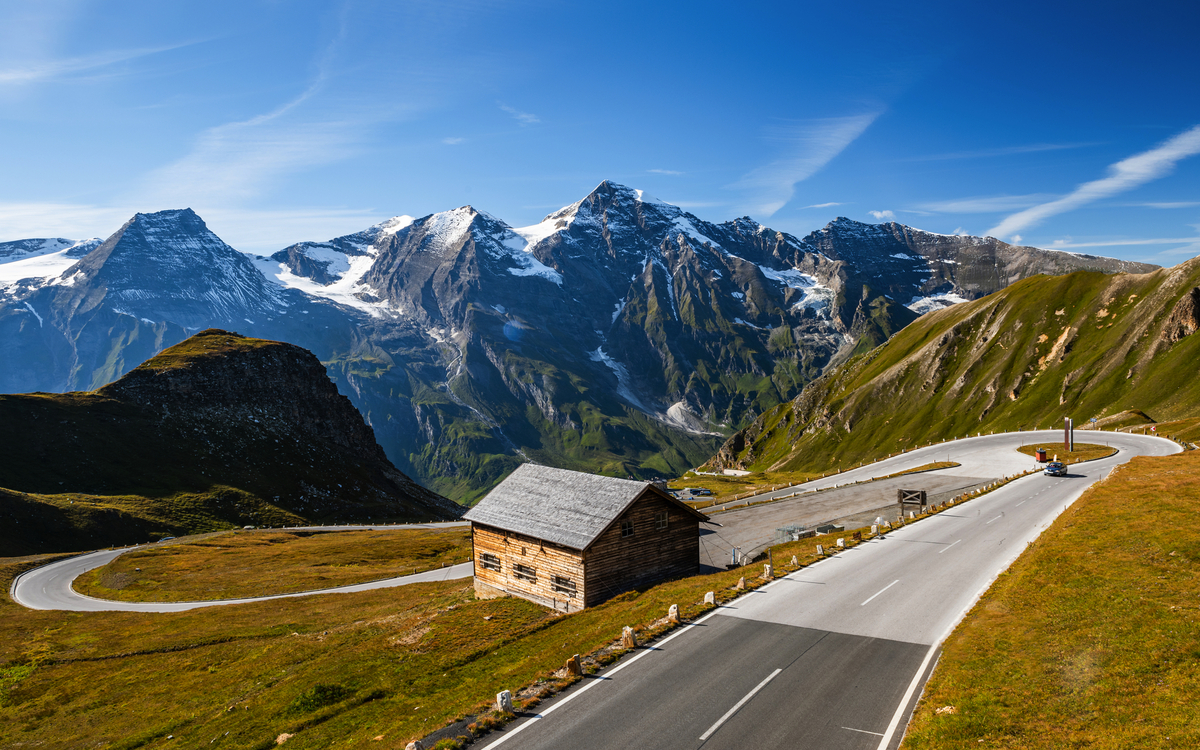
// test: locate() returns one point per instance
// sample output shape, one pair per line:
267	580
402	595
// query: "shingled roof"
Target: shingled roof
561	506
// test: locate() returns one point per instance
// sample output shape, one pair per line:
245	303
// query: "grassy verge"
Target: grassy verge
1090	639
354	670
727	488
1082	452
259	563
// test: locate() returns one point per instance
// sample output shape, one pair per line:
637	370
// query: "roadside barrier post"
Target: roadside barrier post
504	701
574	666
710	598
673	614
628	638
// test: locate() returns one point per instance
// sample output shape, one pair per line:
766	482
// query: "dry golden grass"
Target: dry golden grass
1082	452
259	563
726	488
1092	638
332	669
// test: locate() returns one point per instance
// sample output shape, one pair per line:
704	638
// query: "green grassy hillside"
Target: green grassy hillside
216	432
1083	345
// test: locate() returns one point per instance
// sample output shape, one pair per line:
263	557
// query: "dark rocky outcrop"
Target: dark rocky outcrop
218	430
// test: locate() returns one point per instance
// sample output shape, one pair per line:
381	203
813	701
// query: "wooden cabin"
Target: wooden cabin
569	540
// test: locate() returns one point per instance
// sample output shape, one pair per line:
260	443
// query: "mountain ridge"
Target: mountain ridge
1081	345
620	334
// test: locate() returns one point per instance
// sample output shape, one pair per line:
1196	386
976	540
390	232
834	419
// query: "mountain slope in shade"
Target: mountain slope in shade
1082	345
621	334
218	431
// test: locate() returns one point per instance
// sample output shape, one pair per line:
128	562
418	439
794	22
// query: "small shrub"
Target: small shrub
318	696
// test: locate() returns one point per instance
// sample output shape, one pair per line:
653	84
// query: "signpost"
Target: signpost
1068	434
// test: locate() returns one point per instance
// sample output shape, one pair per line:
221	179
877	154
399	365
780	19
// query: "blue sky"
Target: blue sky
1072	125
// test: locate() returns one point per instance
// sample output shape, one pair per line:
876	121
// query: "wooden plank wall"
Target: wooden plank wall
615	564
546	558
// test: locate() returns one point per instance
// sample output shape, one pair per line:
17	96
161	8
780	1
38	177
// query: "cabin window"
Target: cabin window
525	573
660	520
627	527
488	561
563	585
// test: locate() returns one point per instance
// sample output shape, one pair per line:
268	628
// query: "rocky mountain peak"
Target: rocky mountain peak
169	265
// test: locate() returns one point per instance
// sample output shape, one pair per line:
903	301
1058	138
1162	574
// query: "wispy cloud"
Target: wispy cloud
1032	148
883	215
453	141
993	204
19	221
1171	204
1126	174
808	147
825	205
525	118
664	171
237	160
67	66
1069	244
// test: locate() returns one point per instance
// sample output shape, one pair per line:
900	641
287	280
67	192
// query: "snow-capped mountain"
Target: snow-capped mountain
621	333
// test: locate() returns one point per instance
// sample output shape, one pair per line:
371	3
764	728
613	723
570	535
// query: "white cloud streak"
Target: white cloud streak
810	146
525	118
825	205
1067	244
883	215
53	69
1126	174
27	220
664	171
237	160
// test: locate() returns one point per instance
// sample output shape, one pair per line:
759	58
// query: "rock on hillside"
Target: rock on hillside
1082	345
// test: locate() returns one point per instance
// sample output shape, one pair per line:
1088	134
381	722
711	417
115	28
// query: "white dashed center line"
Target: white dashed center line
738	705
885	588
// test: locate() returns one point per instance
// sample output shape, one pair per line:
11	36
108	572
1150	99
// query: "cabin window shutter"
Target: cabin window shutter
563	585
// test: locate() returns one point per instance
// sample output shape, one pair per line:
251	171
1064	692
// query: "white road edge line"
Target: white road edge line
509	734
738	705
939	552
877	593
912	686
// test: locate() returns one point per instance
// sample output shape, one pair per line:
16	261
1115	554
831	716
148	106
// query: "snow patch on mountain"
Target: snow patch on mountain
679	415
623	380
348	290
531	266
922	305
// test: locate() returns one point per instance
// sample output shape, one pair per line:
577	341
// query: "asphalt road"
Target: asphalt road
834	655
49	587
753	528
